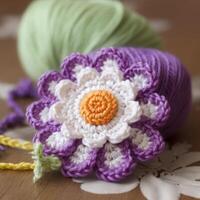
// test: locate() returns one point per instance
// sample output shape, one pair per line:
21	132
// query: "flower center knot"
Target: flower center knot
98	107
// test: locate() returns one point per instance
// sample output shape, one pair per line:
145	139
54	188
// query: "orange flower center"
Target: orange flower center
98	107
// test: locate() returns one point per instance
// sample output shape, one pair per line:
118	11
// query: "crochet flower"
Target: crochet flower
100	113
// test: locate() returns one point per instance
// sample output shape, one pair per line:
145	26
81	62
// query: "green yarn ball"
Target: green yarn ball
52	29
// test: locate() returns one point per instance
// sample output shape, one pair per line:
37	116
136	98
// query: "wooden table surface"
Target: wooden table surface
182	38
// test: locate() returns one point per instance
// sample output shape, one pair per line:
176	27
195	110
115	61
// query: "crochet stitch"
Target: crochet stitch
98	107
105	111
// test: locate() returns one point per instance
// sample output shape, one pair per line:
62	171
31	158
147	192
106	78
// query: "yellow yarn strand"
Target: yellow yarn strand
17	166
15	143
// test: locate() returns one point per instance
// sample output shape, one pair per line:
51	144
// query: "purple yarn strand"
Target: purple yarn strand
24	89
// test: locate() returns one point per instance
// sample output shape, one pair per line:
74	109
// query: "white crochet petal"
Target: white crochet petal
44	115
149	110
139	82
78	68
132	112
110	63
86	74
80	155
94	140
70	130
118	133
140	139
113	155
64	89
125	90
52	87
57	140
57	112
110	73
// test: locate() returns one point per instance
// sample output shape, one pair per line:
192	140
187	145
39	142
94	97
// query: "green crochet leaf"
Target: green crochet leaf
43	163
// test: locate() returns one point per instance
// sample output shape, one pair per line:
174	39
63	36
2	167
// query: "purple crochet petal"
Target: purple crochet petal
66	147
80	163
33	114
42	135
149	75
146	142
68	65
64	150
115	162
47	83
162	112
110	53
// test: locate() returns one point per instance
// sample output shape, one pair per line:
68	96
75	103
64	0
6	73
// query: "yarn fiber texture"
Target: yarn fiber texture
106	111
52	29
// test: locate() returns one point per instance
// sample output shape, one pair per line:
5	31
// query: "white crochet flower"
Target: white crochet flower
98	107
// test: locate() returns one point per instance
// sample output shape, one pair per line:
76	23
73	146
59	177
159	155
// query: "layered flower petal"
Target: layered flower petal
132	112
64	89
38	114
110	74
59	144
86	74
57	112
110	57
43	134
156	109
114	162
125	90
94	140
118	133
144	79
47	83
70	130
55	142
80	163
146	142
74	63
